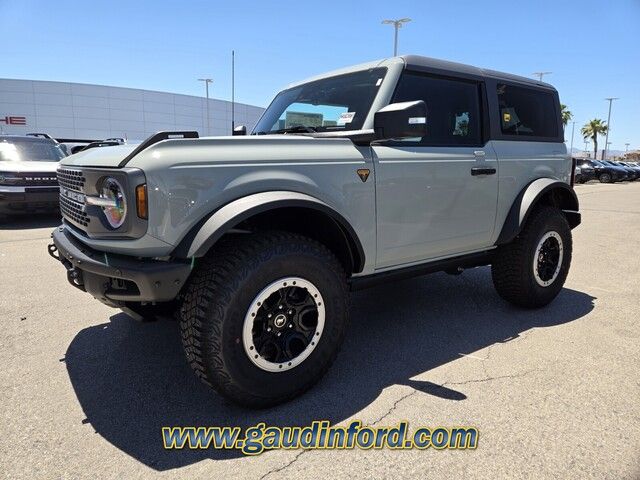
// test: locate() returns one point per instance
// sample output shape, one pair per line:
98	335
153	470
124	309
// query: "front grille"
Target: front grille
72	210
71	179
45	179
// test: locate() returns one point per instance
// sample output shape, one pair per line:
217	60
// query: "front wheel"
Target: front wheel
264	316
531	270
605	178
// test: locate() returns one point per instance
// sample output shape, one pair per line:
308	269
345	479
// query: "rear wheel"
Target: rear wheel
264	316
531	270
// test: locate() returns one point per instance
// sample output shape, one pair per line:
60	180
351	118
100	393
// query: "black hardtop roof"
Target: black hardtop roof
443	66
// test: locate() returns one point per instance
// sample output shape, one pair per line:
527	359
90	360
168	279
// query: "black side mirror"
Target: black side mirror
239	130
401	120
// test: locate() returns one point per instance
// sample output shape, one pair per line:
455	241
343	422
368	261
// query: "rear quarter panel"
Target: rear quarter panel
522	162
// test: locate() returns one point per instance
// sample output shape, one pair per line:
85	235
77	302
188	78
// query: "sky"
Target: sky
592	47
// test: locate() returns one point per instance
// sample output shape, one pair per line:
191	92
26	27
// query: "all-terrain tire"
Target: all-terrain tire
217	299
513	269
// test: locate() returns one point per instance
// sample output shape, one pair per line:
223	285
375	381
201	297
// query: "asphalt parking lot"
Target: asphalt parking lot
554	392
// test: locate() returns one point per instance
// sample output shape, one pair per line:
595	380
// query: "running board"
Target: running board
452	265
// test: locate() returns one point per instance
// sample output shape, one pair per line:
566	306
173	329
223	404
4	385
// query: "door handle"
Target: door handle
479	153
483	171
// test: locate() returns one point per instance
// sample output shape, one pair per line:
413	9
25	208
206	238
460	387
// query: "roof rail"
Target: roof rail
158	137
41	135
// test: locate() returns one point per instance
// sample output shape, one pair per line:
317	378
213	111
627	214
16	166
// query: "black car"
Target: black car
634	168
606	173
587	170
28	181
629	173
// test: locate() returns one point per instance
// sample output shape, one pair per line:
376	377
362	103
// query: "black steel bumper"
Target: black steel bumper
116	279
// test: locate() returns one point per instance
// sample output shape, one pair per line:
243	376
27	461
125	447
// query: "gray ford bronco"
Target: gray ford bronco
381	171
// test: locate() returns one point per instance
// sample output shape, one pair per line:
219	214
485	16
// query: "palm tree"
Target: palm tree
566	114
591	130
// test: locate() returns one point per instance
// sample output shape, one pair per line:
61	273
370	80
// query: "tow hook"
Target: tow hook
53	251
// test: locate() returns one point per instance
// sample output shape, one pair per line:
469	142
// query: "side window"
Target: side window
453	108
526	111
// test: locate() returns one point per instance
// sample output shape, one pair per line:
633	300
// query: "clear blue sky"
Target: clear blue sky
590	46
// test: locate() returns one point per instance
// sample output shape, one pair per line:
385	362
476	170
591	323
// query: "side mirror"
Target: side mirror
401	120
239	130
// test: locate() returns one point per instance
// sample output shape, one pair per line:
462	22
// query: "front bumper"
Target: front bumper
117	279
15	200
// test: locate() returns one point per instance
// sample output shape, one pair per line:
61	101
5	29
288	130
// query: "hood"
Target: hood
208	149
20	167
99	156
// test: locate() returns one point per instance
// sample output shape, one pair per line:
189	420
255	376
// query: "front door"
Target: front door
436	196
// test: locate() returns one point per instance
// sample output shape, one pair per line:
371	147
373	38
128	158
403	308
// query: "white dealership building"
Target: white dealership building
82	112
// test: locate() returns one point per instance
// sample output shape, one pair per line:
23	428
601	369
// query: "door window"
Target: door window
453	108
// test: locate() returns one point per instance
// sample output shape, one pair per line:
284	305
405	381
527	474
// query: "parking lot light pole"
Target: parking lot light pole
606	139
397	24
207	81
573	127
541	74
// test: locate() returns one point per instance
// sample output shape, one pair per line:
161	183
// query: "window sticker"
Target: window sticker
378	82
346	117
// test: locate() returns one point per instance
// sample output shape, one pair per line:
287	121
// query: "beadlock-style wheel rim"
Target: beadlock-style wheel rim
547	260
284	324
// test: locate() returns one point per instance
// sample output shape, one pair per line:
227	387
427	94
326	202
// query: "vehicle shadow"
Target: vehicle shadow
131	378
30	221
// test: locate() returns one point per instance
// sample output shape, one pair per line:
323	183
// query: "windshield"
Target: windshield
332	104
32	151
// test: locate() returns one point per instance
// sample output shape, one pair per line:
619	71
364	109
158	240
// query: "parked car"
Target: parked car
608	173
587	170
28	180
634	169
629	174
377	172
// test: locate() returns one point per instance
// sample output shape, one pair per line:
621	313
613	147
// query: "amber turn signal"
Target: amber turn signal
141	201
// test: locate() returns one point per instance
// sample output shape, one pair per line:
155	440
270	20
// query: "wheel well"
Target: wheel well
563	200
311	223
559	198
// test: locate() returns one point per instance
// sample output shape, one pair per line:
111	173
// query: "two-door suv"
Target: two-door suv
384	170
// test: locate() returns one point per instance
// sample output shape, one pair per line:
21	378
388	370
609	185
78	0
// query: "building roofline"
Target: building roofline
125	88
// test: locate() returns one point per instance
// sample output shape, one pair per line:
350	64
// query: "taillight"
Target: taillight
142	207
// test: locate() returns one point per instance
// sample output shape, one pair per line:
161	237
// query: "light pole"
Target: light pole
586	149
207	81
397	24
573	127
541	74
606	139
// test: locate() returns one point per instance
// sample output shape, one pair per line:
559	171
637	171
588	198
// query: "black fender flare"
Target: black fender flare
204	235
542	188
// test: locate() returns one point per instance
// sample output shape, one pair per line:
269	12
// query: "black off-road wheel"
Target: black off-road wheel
531	270
264	316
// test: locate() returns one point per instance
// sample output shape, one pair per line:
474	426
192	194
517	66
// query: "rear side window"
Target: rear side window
453	108
527	112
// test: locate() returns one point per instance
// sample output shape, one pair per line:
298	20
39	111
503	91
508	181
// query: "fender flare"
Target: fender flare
529	197
204	235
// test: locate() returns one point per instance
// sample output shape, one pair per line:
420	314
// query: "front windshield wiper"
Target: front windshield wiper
296	129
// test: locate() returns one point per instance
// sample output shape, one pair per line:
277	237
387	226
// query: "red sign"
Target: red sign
11	120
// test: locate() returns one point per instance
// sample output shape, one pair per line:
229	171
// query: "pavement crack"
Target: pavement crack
286	465
394	406
490	379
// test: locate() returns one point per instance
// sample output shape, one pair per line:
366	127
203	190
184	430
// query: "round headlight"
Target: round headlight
117	211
